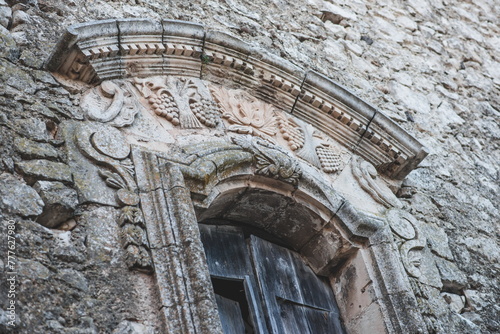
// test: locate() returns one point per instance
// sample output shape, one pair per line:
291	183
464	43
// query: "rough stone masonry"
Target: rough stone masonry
432	66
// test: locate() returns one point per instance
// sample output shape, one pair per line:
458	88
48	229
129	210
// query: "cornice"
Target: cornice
96	51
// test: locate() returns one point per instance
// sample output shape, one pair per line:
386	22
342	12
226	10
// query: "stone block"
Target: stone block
32	128
32	150
18	198
5	15
60	202
354	288
32	269
132	327
74	279
453	279
455	302
34	170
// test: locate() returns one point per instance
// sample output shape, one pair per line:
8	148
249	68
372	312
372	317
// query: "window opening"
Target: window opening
262	287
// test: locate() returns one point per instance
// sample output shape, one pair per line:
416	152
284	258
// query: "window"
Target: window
262	287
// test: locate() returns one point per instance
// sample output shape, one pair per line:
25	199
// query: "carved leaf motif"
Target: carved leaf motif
269	160
128	166
188	120
131	215
248	116
113	180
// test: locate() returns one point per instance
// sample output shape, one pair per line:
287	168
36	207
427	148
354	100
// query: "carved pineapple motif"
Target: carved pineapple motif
180	102
330	160
309	144
164	105
291	132
206	111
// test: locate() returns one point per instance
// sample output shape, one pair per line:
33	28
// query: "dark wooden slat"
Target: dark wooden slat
293	318
226	251
230	316
322	321
228	258
306	301
316	291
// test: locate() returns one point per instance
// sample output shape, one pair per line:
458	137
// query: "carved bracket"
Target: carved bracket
367	177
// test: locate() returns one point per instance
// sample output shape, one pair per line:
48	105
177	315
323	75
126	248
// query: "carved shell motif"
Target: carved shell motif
246	116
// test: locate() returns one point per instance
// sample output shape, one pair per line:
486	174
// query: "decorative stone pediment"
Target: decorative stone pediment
185	124
272	95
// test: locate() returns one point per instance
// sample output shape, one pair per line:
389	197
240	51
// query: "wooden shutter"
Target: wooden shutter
278	286
296	300
229	264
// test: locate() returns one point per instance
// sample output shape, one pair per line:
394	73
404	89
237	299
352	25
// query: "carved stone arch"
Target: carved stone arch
354	250
213	122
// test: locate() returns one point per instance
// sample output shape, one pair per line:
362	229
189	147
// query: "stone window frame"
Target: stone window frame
174	193
171	216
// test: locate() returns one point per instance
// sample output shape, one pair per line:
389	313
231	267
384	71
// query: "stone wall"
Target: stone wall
432	66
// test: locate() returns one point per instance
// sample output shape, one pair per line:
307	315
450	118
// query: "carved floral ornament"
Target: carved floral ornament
111	50
189	104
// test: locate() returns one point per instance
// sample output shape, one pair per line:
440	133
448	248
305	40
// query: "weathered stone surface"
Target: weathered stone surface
453	279
33	270
431	65
74	279
18	198
32	150
131	327
455	302
32	128
5	14
60	202
45	170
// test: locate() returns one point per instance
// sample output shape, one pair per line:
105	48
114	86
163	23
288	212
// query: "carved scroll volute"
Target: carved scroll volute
111	102
108	147
367	176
